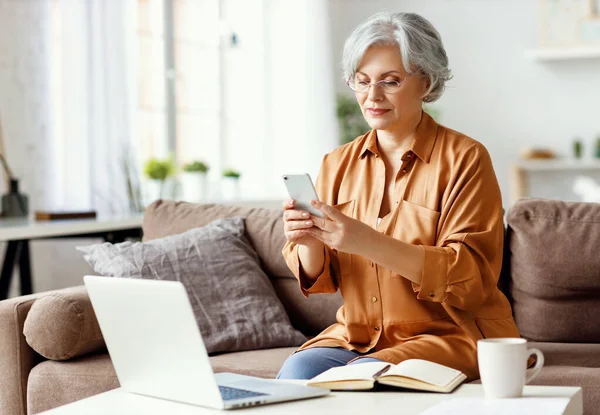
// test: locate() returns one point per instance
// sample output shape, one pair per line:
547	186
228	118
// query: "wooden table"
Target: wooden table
19	232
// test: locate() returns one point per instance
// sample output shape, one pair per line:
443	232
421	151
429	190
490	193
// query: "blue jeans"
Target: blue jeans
308	363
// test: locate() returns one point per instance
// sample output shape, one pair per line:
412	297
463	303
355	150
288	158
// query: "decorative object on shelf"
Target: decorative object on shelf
230	185
587	188
14	204
568	29
538	153
158	171
132	182
577	148
193	181
64	215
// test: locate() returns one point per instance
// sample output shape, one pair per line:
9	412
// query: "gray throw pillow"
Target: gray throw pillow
233	300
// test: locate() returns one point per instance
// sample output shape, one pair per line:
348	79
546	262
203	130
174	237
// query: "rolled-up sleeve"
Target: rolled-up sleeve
325	283
463	268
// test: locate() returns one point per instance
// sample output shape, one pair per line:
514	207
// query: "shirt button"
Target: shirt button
374	299
376	328
408	156
403	170
431	294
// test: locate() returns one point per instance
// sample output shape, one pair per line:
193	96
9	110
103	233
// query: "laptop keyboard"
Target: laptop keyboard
230	394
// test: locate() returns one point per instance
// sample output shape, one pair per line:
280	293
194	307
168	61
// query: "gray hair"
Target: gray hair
419	43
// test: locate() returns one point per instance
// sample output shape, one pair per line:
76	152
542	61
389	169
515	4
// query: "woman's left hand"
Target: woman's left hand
339	231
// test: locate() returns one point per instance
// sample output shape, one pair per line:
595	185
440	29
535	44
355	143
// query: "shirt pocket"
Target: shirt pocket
416	224
345	259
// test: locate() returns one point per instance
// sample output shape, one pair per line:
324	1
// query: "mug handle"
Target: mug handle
539	363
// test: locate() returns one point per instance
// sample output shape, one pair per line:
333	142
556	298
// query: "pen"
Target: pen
382	371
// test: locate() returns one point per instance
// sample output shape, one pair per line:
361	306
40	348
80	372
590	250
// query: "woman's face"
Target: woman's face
388	111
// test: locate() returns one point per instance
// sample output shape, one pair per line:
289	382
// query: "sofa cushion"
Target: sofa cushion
234	303
310	315
569	354
62	325
264	227
53	383
554	263
261	363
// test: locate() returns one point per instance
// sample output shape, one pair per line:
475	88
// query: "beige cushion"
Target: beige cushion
554	263
264	227
234	303
62	325
310	315
261	363
53	383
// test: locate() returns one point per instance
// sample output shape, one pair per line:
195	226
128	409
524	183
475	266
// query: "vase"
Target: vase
194	186
230	188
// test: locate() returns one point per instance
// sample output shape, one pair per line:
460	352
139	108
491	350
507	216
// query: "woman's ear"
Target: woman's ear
425	85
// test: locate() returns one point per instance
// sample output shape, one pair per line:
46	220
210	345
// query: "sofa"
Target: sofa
550	274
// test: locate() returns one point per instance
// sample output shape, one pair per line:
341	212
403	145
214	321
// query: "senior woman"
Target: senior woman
413	233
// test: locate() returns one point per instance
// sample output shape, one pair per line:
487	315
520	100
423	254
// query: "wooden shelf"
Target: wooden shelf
563	54
558	164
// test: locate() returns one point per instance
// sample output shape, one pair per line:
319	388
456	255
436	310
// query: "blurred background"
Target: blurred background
106	105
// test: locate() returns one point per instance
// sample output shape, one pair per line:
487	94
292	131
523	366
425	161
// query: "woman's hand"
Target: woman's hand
296	224
339	231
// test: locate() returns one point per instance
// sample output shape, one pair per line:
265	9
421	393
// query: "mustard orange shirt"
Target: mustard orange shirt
447	201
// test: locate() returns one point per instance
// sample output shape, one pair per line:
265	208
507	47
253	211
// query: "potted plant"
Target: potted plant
158	171
193	181
230	186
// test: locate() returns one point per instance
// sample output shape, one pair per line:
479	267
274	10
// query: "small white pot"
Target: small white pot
230	188
194	186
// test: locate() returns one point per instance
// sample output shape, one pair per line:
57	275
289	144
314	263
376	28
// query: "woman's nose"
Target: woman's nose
375	93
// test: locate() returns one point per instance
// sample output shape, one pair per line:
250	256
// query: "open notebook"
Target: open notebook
413	374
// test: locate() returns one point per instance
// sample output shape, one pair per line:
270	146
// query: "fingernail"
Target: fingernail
305	215
291	203
308	223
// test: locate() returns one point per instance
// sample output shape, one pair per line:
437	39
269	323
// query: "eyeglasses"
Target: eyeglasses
387	87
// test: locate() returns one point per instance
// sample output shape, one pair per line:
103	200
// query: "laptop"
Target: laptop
157	349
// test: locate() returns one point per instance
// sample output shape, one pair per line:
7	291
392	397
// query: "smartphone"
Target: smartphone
300	188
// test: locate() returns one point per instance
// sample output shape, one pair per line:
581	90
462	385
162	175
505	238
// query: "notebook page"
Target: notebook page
513	406
425	371
350	372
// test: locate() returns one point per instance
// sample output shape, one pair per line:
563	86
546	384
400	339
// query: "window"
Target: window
201	90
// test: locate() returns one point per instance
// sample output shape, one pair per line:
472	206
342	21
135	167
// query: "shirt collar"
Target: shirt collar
422	144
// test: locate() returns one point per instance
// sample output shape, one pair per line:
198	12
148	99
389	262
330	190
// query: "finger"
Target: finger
293	214
329	211
322	223
320	235
294	236
298	224
289	204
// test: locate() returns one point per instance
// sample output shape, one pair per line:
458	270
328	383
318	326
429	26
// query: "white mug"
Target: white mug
503	366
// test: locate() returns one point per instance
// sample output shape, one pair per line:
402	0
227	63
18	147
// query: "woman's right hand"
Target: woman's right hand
295	224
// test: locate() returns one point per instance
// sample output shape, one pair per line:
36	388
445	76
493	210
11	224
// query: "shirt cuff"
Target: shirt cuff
435	275
324	282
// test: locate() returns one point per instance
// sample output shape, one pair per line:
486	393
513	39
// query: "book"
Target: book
62	215
415	374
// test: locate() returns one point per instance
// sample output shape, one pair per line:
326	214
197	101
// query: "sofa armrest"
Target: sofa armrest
16	357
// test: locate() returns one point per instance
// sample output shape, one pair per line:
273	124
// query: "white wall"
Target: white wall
24	110
498	96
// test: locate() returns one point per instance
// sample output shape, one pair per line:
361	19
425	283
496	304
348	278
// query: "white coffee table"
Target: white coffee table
117	402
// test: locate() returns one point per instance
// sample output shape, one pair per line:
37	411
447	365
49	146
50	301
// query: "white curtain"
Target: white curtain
94	106
302	124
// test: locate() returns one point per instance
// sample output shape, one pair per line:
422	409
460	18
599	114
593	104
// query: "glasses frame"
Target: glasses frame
378	85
